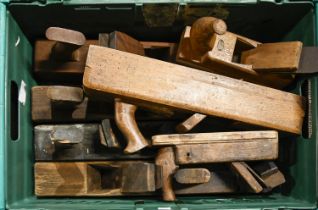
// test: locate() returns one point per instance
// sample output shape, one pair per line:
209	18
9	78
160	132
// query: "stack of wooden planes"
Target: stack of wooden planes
122	117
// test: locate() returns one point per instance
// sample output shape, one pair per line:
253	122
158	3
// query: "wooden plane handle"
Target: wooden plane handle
67	42
202	30
190	123
125	120
165	159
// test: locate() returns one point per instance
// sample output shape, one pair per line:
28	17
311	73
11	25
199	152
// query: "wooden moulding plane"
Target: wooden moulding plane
144	81
208	46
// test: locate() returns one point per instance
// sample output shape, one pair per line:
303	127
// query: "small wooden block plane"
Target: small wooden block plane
221	147
214	94
208	45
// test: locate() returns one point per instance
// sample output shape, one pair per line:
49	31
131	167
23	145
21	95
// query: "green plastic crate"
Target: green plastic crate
23	21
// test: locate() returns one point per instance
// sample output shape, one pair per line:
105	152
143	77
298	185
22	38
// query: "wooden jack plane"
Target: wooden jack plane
125	178
207	45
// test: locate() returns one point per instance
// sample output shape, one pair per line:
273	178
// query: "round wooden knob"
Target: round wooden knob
219	26
202	31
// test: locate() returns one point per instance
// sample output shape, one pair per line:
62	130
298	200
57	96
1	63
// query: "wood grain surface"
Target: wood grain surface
112	72
232	150
212	138
274	57
166	160
91	178
138	177
219	62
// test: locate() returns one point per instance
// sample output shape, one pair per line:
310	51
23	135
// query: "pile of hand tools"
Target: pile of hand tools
123	117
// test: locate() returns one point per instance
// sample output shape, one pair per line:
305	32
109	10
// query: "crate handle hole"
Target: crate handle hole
306	92
17	42
14	111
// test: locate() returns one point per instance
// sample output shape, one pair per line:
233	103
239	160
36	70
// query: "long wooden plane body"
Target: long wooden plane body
221	147
144	80
118	178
